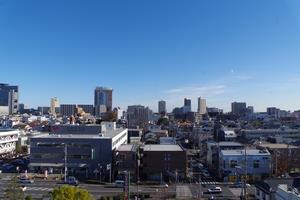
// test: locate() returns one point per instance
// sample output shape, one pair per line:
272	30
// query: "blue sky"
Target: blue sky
149	50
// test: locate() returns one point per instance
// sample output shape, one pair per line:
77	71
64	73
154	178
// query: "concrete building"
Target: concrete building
187	107
120	113
87	108
138	116
232	164
86	149
127	160
285	192
9	99
214	149
8	141
285	157
54	104
202	106
67	109
239	108
163	162
103	97
44	110
162	107
266	190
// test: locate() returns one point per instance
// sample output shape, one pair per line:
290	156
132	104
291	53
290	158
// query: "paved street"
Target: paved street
40	188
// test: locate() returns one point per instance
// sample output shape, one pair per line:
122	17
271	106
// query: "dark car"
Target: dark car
71	180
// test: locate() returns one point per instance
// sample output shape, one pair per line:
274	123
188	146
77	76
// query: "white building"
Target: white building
202	106
8	140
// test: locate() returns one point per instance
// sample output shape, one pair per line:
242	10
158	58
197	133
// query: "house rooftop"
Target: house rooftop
161	147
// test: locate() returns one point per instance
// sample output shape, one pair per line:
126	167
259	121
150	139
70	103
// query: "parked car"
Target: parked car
215	190
71	180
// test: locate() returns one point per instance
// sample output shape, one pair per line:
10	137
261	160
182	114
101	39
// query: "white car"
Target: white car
215	190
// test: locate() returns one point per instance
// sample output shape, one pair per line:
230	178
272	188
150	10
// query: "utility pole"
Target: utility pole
66	167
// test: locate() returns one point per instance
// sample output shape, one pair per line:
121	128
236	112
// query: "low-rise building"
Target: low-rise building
84	153
234	164
163	161
285	157
8	141
127	160
285	192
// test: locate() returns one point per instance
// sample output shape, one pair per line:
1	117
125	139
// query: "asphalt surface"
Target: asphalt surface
40	188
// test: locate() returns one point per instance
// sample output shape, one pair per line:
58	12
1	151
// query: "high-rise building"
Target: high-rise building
202	106
9	99
67	109
187	105
162	107
54	104
239	108
138	115
103	97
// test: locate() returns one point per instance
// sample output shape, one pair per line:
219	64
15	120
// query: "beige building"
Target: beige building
53	105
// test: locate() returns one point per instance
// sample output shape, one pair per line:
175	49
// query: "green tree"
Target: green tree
67	192
28	197
14	190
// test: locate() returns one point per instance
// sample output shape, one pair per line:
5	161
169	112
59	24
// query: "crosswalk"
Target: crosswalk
208	183
39	189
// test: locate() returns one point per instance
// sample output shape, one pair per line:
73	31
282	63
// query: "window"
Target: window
233	163
256	164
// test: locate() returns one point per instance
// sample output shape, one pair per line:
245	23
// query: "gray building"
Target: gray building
88	151
9	99
138	115
202	106
187	105
67	109
162	107
87	108
103	97
232	164
239	108
44	110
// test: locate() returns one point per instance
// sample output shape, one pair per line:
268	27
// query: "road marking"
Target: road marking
39	189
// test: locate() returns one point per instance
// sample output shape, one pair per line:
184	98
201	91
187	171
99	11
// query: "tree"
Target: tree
28	197
14	190
67	192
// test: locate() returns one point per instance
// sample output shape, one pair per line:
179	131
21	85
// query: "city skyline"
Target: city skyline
224	52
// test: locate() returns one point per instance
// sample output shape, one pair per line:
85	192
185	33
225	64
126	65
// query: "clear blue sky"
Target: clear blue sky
147	50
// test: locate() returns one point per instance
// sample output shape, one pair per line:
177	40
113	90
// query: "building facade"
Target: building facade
202	106
103	97
239	108
138	116
9	99
67	109
234	164
54	104
85	151
162	107
8	141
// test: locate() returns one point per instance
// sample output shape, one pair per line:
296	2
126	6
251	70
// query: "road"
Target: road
40	188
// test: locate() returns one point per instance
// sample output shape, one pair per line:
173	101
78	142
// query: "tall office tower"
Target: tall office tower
202	106
238	108
103	97
9	99
187	105
162	108
138	115
54	104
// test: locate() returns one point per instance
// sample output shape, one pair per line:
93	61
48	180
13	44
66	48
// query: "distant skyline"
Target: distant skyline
223	51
